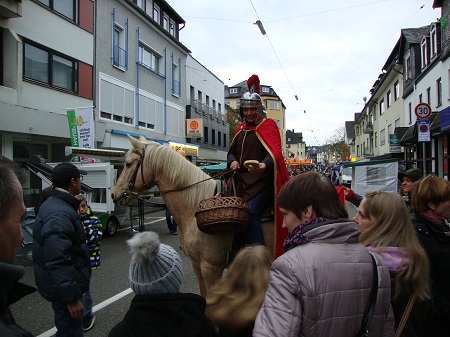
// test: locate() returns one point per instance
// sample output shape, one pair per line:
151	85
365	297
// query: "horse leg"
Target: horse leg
211	274
200	280
269	235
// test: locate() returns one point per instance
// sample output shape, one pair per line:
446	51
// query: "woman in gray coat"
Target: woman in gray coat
320	286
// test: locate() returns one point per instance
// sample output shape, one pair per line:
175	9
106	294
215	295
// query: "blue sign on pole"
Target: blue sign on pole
423	128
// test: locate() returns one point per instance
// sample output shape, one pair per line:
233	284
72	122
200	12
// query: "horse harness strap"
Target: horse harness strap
136	169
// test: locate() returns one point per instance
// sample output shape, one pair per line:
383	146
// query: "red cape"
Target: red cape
269	135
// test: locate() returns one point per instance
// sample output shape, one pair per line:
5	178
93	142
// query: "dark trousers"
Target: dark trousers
65	324
257	205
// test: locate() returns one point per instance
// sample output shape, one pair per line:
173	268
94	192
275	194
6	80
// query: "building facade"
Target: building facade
43	72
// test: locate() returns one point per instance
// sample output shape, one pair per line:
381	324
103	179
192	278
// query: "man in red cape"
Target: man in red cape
258	138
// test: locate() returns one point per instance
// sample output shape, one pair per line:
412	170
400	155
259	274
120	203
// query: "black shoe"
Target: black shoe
174	232
88	323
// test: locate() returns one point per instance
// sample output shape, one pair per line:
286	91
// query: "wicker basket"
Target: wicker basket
222	214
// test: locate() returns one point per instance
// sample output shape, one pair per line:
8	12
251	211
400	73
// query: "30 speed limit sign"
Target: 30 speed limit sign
422	110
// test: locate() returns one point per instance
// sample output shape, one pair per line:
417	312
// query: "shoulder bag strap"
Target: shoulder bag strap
405	316
370	308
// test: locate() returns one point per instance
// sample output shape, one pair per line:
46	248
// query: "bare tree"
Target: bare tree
336	144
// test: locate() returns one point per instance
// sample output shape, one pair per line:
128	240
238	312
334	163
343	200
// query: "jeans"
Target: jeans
257	205
65	324
171	224
86	299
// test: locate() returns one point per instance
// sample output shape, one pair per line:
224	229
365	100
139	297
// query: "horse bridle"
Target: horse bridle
136	169
140	165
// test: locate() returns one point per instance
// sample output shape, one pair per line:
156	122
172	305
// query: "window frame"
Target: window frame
50	67
155	58
423	52
119	47
438	92
396	90
382	107
233	91
75	9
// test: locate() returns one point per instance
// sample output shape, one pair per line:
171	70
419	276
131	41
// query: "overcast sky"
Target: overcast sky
328	53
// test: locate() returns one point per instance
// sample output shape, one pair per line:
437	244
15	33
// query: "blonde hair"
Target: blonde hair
393	228
81	197
234	301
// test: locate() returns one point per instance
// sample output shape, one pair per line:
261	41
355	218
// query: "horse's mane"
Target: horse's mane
179	172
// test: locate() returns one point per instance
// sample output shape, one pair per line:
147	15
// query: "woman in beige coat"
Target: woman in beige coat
320	286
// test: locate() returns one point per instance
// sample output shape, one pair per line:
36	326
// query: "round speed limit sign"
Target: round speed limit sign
422	110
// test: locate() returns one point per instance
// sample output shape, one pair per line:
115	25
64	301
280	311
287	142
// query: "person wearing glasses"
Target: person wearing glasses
60	254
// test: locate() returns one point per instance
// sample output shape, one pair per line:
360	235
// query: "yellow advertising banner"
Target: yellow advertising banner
194	128
190	150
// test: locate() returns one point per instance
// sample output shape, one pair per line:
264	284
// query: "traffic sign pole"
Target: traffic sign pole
423	111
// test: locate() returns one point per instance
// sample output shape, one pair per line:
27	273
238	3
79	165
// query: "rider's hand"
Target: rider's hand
261	168
234	165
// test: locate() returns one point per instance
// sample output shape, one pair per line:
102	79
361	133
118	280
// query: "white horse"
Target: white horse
148	164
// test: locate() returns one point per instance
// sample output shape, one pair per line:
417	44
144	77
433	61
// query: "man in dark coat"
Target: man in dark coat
60	254
12	209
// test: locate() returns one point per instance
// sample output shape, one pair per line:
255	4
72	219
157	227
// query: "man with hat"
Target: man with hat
60	255
408	178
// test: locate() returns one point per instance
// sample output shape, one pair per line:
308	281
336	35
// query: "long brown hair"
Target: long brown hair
234	301
311	189
393	228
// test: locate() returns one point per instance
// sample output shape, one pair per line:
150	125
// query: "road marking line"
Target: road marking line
96	308
145	223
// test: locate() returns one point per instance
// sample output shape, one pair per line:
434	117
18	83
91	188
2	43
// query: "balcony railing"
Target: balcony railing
119	57
368	128
176	88
368	152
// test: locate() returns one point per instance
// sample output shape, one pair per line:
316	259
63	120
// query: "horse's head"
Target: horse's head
133	180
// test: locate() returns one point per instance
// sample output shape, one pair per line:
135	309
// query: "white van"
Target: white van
345	176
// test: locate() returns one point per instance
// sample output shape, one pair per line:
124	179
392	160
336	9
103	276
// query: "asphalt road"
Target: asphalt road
109	284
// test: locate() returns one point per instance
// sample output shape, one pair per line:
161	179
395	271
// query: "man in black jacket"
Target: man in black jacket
60	254
12	209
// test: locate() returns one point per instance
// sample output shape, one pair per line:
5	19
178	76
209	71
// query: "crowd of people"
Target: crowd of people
386	272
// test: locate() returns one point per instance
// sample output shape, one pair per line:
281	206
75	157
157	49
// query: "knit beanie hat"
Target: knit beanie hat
155	268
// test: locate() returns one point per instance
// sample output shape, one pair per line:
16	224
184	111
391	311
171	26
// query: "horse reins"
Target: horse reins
141	166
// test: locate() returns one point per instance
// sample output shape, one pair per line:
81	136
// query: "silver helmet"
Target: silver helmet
250	100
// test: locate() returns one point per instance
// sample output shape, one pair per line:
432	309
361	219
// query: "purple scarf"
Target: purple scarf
437	222
297	237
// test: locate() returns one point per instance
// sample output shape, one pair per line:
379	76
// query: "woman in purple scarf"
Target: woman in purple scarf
320	286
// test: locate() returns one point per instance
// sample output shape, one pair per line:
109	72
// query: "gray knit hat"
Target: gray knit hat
155	267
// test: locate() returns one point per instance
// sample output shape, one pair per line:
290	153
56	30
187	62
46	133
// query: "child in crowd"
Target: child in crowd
93	231
234	302
159	309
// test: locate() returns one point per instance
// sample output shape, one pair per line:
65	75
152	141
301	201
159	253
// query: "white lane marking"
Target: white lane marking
96	308
137	224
